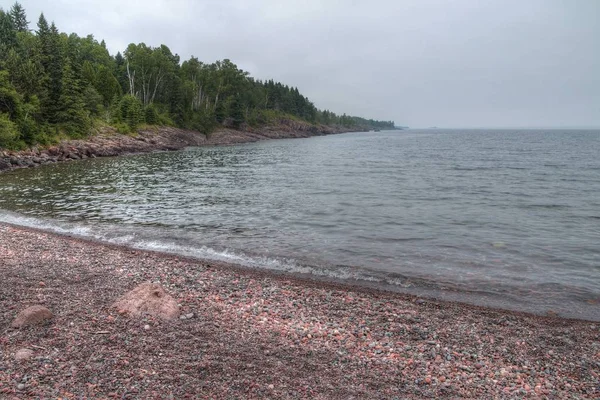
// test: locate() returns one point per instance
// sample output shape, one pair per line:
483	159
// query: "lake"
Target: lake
501	218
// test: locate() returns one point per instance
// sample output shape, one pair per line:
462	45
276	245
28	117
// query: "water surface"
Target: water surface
501	218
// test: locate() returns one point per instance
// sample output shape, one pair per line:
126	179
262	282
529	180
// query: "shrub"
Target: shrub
9	133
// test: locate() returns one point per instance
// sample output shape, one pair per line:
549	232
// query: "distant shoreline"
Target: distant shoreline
109	143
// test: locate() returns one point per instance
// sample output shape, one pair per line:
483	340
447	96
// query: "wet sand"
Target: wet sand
255	334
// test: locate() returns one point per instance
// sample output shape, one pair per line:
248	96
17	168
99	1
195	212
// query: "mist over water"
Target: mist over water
501	218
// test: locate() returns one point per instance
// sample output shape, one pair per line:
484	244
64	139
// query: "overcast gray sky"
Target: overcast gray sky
460	63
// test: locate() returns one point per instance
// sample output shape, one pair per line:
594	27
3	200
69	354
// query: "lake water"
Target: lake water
503	218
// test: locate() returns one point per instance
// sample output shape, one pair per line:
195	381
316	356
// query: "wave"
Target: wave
482	291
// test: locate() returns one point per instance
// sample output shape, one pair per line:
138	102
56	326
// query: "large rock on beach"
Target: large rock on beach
31	316
148	298
23	354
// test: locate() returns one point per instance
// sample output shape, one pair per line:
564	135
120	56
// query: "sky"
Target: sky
421	63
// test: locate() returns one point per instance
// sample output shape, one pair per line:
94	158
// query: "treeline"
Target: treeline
54	85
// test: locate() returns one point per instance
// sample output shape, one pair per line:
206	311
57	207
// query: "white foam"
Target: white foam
203	252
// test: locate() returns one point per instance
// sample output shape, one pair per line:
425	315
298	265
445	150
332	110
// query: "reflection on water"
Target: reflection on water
512	216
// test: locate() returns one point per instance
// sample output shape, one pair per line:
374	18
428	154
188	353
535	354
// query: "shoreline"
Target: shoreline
287	336
108	143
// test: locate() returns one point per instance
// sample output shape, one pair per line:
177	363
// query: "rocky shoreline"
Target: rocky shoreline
252	334
108	143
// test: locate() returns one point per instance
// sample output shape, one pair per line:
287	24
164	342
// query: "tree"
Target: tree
10	100
51	57
131	111
19	18
8	37
8	131
237	111
53	83
72	114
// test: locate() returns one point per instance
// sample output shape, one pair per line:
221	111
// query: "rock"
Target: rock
31	316
4	165
21	386
23	354
148	298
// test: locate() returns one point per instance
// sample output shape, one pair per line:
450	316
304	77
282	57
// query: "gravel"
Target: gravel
251	334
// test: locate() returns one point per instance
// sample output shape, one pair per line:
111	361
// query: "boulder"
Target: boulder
4	165
23	354
31	316
148	298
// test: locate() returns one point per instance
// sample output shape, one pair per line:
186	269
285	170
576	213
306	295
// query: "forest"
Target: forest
55	86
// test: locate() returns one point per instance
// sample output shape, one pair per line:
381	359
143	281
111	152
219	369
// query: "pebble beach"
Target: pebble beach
252	334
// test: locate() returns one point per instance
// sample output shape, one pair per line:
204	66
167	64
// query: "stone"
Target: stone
4	165
23	354
148	299
31	316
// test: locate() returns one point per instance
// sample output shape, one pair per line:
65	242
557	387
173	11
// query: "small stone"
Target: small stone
146	327
271	387
20	386
189	316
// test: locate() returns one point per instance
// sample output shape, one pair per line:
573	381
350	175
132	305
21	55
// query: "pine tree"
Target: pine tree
237	111
220	112
52	61
132	111
8	36
72	112
19	18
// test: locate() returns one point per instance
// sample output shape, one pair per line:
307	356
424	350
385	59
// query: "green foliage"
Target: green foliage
122	128
8	131
8	35
54	85
237	112
10	100
131	111
151	115
203	122
72	113
19	18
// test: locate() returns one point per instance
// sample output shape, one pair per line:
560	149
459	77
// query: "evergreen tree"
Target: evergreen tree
220	113
10	100
237	111
53	83
131	111
19	18
51	59
8	36
72	115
